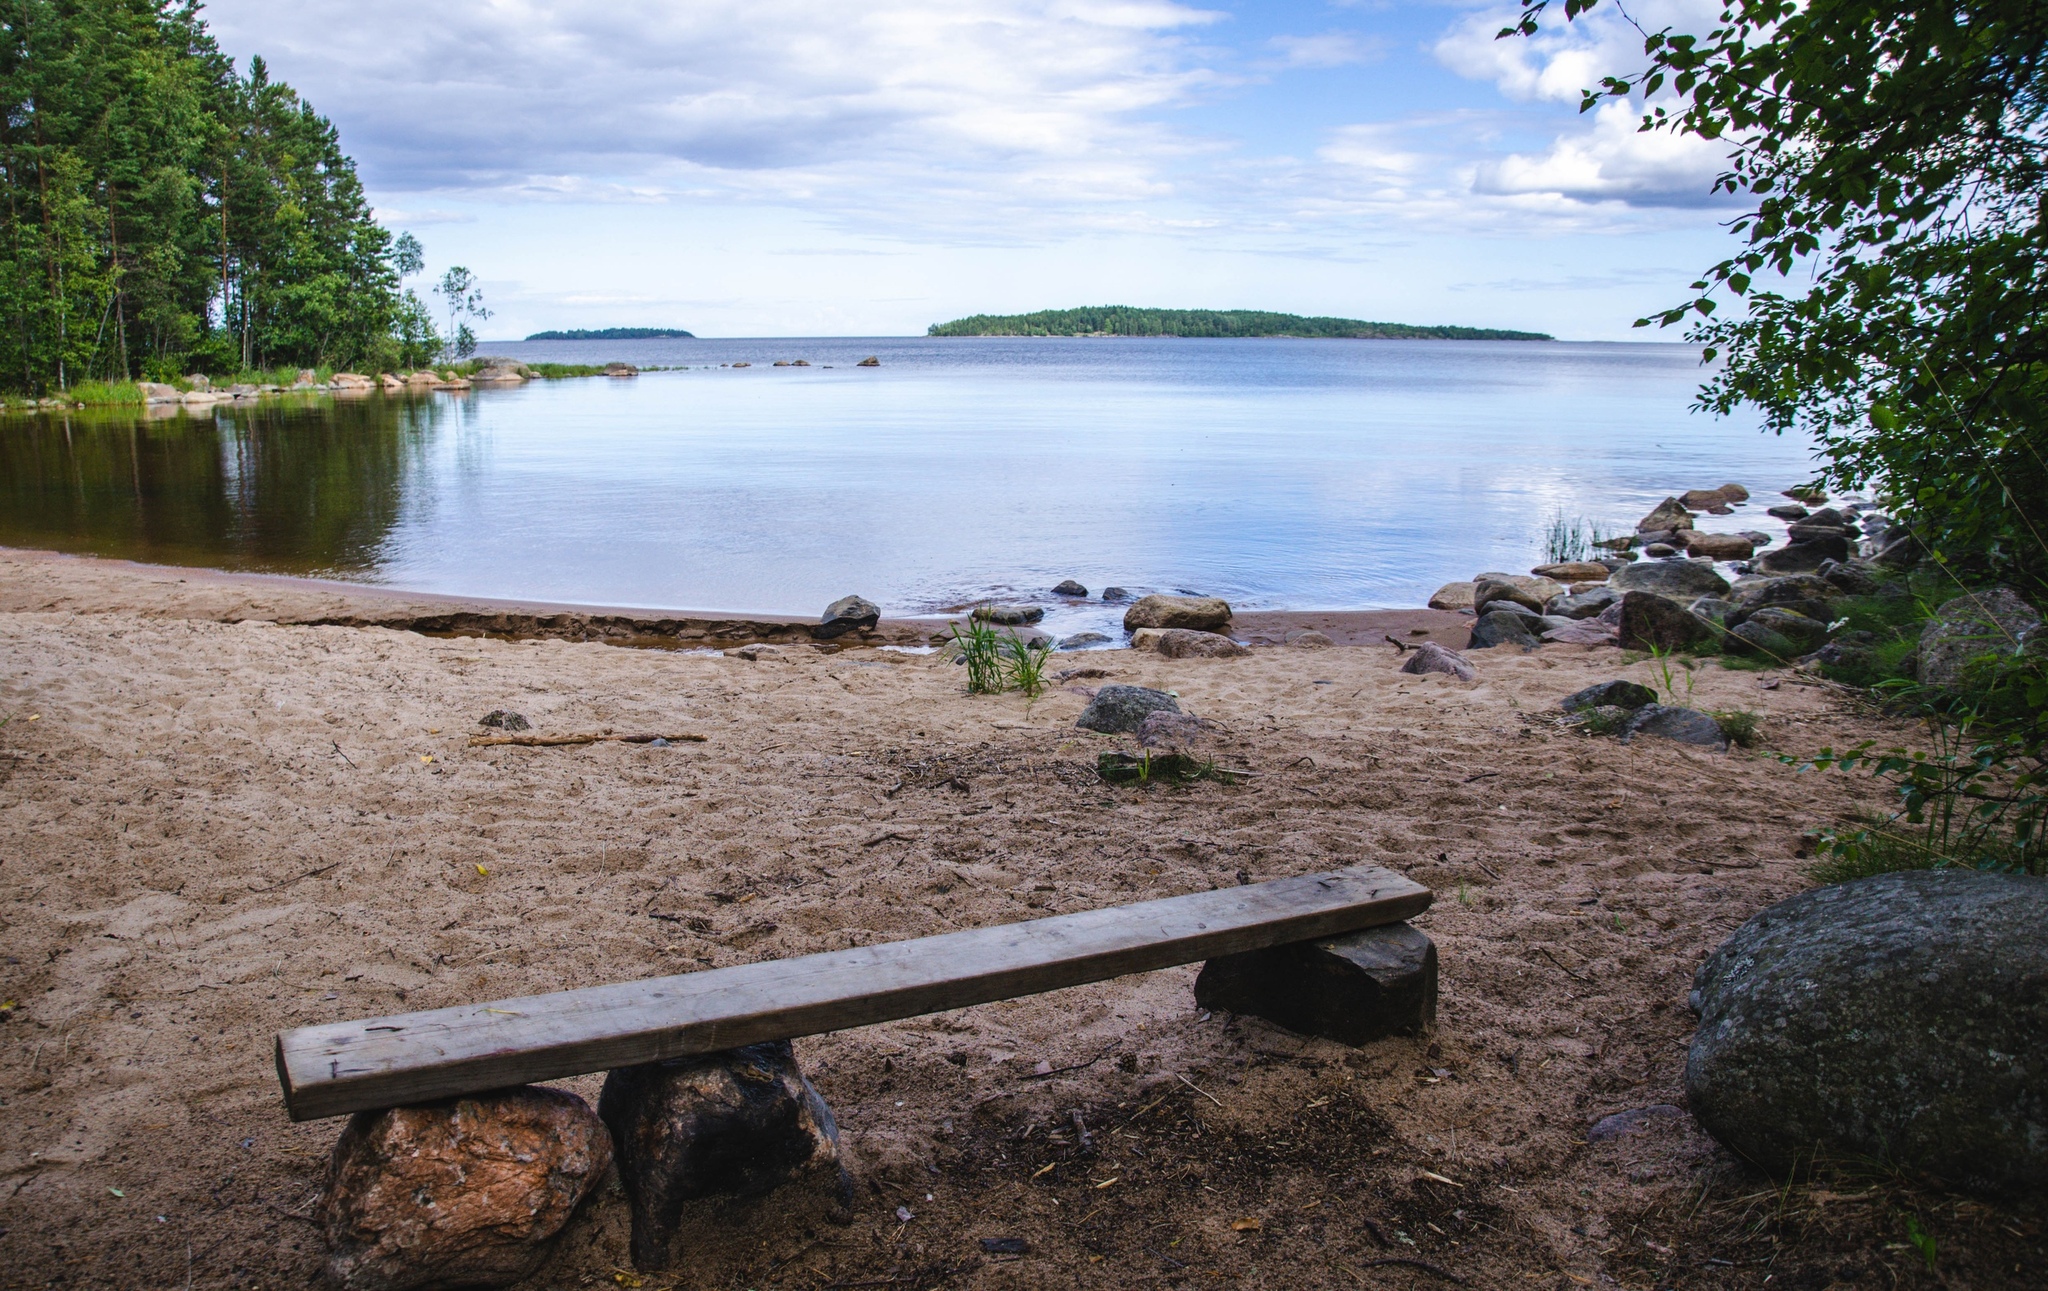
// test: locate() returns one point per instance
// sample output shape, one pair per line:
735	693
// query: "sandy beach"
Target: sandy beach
235	805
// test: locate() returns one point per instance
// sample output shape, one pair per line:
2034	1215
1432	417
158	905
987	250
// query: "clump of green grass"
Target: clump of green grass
1738	724
104	393
1146	767
1567	538
1000	661
1666	677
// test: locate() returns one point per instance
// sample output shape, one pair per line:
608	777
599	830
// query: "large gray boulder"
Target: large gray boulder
1681	580
1902	1018
1118	710
1990	622
1502	627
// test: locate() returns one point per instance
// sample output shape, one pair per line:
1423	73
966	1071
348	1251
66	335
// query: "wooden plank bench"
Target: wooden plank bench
343	1067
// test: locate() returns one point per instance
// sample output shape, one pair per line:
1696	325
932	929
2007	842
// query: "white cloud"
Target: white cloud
1605	157
1329	49
631	100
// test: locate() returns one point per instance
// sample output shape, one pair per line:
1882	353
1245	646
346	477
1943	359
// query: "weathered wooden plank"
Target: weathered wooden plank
345	1067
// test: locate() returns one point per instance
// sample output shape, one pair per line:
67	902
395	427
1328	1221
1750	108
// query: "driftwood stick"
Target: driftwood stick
556	741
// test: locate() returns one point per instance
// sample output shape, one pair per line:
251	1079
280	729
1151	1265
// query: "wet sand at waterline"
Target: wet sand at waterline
219	829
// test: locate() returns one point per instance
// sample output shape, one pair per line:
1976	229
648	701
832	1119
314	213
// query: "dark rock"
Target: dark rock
1616	694
1117	710
1665	517
1620	542
1009	614
1685	725
870	361
1901	1018
1680	580
1803	632
1583	605
1718	546
1794	590
504	719
1635	1121
1068	587
1703	499
1196	613
1748	638
1005	1246
1353	989
1430	657
1574	571
1757	539
1115	594
1080	639
1485	591
464	1193
1803	557
1807	531
1829	517
1660	550
1513	607
1650	621
845	615
736	1123
1501	627
1181	643
1898	550
1806	493
1734	493
1713	609
1588	632
1617	560
1989	622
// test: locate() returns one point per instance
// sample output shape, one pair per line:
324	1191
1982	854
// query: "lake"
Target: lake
1280	474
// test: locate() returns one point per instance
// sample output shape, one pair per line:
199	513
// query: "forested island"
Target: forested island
615	334
1127	320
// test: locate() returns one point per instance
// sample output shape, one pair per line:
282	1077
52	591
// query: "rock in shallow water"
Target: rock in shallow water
1009	615
1068	587
845	615
465	1193
738	1123
1902	1018
1118	710
1196	613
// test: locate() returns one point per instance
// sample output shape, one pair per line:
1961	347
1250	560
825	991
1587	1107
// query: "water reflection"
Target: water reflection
300	487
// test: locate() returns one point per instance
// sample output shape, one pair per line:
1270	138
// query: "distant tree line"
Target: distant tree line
615	334
1124	320
165	213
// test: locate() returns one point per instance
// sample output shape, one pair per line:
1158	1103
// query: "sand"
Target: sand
220	826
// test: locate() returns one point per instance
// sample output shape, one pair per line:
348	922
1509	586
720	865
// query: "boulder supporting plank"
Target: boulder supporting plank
1353	989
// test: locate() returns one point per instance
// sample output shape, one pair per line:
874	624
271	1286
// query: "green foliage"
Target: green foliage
560	371
999	661
614	334
1922	1240
95	394
1568	538
1667	678
1738	724
1125	320
1025	663
1978	799
1146	767
160	212
463	297
1893	276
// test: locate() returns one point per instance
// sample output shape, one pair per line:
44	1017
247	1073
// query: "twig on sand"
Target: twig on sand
1060	1071
1408	1260
556	741
879	839
1198	1089
1545	952
288	882
1400	647
344	757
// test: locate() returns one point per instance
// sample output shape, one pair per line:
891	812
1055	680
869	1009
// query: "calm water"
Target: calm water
1279	474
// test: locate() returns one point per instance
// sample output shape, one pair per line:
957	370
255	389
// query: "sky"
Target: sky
870	167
